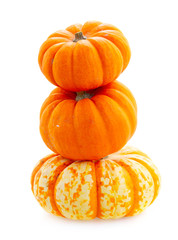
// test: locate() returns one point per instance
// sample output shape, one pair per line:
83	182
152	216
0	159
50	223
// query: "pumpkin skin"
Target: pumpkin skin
123	184
90	128
81	65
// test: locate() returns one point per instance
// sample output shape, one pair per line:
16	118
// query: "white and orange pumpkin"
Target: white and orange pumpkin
122	184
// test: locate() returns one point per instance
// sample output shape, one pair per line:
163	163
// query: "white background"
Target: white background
151	28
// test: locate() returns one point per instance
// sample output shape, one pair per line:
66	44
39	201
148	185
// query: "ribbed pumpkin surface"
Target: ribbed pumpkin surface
122	184
88	63
91	128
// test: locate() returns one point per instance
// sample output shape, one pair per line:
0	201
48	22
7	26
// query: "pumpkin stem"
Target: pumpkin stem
82	95
79	36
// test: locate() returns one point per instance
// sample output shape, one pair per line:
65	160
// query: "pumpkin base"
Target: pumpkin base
123	184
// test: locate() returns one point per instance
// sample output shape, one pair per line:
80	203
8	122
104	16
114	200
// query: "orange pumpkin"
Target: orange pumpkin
88	125
84	57
122	184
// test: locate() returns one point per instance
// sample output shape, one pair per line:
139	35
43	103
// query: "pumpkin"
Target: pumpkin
84	57
123	184
88	125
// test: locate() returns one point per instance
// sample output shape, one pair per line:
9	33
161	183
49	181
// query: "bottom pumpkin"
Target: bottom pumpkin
122	184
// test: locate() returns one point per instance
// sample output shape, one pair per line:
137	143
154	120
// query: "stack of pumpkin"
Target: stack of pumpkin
87	118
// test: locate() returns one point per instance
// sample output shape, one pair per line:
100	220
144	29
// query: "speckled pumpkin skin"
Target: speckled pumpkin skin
122	184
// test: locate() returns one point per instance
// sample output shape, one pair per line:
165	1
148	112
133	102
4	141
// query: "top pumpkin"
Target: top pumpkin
84	57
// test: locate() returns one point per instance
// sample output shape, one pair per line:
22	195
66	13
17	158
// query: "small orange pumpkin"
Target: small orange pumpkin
84	57
122	184
88	125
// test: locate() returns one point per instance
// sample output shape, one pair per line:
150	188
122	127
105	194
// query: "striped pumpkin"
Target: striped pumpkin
122	184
